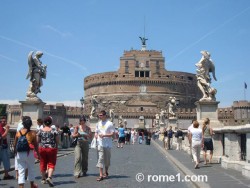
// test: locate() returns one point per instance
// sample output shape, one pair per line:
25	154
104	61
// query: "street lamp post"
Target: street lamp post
82	102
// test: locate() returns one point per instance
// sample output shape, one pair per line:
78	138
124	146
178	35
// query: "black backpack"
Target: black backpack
22	143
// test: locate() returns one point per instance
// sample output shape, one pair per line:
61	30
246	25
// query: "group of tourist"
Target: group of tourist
126	135
200	138
43	143
168	136
29	144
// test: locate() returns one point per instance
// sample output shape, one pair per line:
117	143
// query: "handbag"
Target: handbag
93	143
74	142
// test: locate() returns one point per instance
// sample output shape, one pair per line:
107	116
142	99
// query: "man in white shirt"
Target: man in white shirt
104	133
39	124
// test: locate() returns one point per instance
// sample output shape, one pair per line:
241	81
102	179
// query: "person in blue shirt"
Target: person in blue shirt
121	133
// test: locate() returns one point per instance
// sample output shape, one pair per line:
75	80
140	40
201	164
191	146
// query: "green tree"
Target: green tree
3	110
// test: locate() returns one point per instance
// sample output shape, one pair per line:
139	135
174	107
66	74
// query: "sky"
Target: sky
80	38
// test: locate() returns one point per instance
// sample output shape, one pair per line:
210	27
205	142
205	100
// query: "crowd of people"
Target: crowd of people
44	140
126	136
199	137
42	145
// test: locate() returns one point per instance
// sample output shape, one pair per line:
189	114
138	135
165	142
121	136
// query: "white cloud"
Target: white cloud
8	58
76	64
60	33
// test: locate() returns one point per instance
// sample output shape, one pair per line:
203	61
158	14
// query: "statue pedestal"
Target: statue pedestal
141	122
172	121
92	123
143	48
34	109
141	125
162	126
208	109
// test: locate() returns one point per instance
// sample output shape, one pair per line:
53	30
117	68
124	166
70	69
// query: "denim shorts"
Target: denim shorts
5	158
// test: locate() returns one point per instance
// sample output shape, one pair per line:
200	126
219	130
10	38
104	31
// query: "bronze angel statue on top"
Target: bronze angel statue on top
37	72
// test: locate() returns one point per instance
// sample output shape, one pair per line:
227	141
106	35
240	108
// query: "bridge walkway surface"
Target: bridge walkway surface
139	166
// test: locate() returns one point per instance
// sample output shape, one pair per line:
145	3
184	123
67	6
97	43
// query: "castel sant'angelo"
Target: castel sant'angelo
141	87
138	90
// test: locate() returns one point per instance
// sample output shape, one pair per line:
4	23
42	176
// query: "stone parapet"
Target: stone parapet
235	147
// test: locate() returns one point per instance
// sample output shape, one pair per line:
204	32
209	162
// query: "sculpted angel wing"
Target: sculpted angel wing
212	69
30	63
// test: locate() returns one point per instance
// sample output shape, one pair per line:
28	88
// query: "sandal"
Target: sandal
106	175
99	178
196	166
44	181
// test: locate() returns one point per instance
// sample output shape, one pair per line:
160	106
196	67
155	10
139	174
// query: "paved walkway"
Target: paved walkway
159	167
217	176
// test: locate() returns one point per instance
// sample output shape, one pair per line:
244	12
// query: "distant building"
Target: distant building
142	87
61	114
237	114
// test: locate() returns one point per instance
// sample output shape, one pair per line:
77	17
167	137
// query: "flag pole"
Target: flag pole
244	93
245	88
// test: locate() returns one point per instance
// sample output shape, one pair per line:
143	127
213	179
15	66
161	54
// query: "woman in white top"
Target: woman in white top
133	136
197	142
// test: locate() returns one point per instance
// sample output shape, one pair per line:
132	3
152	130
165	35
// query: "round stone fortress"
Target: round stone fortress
141	88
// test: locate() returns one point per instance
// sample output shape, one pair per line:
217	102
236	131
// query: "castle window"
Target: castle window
141	73
126	63
136	73
190	78
126	67
141	109
147	64
126	70
157	67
